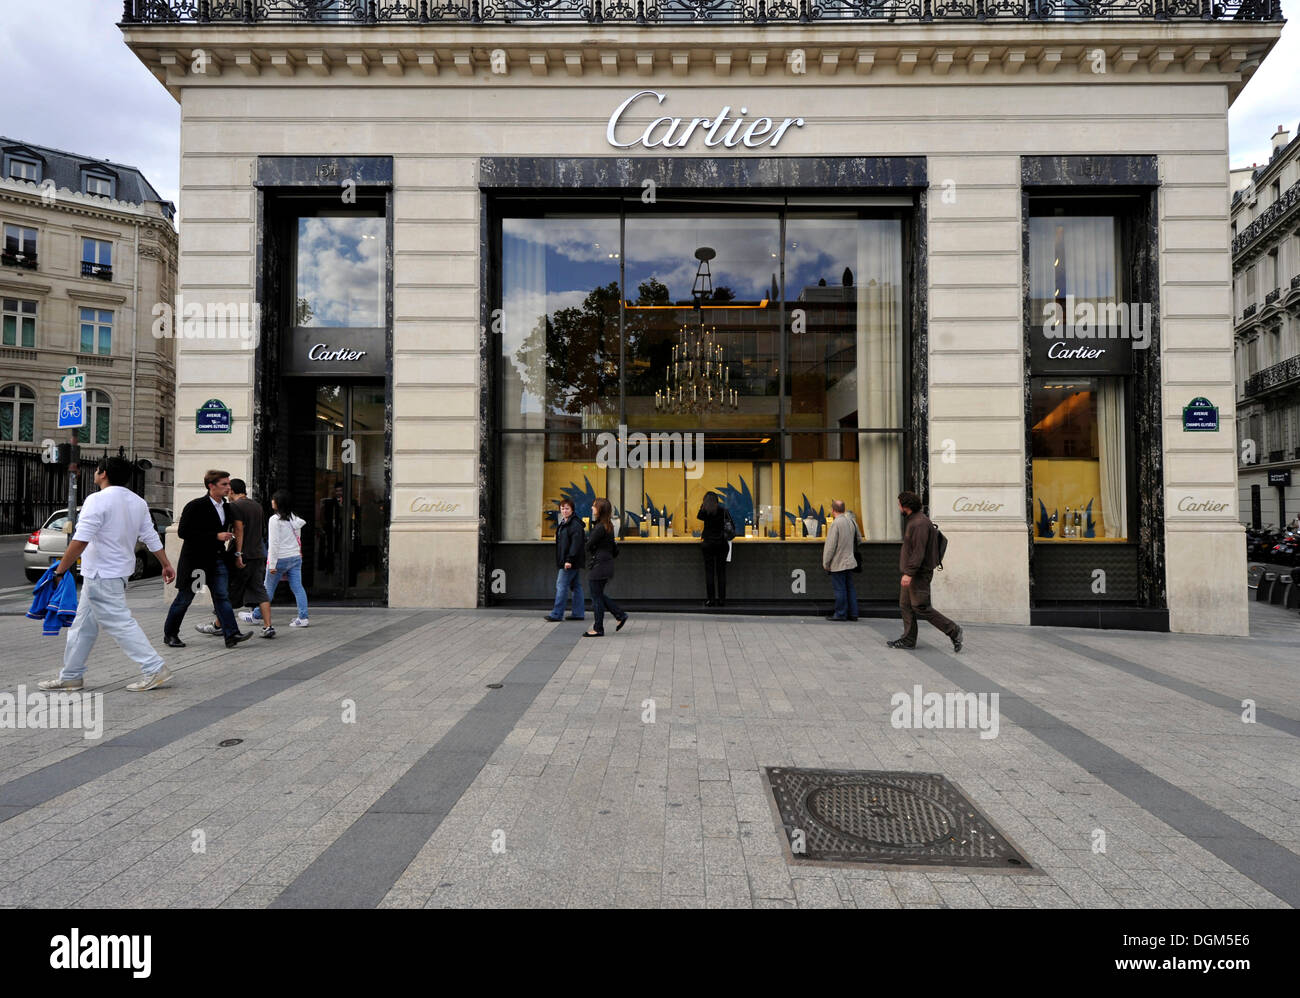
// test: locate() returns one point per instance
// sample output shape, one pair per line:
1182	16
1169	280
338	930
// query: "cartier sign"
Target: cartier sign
332	351
725	129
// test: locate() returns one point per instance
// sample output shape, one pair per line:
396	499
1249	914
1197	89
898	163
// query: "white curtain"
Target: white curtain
524	309
879	375
1110	446
1080	251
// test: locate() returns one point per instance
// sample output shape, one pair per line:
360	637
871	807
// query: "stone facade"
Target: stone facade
137	372
439	100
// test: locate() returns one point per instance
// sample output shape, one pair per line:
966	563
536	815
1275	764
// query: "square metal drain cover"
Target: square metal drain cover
863	816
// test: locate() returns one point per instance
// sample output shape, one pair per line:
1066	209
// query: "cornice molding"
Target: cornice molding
942	54
86	205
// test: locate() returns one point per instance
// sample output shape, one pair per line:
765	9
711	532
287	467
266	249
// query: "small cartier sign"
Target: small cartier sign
966	504
1190	504
333	351
433	504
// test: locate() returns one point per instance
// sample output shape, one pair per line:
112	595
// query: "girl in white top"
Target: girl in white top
284	553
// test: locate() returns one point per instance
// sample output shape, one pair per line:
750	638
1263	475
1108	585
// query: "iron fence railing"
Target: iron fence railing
1273	377
678	13
32	488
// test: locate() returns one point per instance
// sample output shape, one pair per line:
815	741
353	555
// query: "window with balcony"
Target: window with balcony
17	414
19	249
97	259
96	330
98	418
18	323
17	168
93	183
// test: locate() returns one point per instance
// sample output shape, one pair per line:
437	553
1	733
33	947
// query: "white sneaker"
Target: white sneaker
208	629
159	678
61	684
246	616
299	622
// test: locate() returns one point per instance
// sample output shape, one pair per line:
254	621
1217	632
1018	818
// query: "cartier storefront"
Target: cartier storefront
652	255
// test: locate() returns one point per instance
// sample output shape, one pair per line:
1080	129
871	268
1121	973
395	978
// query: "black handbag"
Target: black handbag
728	527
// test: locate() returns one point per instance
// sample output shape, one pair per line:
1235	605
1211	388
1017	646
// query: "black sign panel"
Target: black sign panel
335	352
1280	477
1070	355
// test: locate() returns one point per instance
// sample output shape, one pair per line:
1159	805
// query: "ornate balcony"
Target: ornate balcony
1272	296
684	12
1249	311
100	271
1273	214
1283	375
26	261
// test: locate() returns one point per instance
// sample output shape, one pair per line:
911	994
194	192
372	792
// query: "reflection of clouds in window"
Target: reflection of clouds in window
340	271
664	248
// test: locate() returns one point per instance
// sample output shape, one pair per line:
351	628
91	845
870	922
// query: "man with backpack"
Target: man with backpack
921	554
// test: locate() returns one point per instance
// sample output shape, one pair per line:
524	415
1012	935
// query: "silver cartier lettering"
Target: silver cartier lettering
322	351
1187	504
725	129
964	504
1059	351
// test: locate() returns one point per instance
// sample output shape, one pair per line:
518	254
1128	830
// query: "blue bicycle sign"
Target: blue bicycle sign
72	410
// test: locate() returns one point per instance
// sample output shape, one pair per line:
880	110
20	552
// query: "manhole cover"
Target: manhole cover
230	742
863	816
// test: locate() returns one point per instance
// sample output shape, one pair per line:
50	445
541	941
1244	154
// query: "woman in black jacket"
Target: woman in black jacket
713	541
601	551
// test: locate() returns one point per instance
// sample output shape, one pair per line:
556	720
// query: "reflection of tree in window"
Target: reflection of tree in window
17	411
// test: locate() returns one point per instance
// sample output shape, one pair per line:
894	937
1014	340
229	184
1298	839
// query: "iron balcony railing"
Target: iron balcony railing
1278	376
678	13
1271	215
1272	296
102	271
1248	311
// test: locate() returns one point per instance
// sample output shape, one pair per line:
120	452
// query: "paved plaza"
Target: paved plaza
378	766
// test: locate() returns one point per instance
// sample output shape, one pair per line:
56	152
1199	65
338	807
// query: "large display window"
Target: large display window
755	351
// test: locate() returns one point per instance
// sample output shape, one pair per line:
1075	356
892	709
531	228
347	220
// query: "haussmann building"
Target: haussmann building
788	252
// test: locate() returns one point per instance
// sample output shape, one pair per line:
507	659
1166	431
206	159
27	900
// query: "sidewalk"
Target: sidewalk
553	791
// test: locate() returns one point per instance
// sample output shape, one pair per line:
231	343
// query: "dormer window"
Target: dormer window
94	183
18	168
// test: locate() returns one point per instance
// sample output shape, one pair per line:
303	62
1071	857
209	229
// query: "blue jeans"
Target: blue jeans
846	594
218	584
566	579
289	569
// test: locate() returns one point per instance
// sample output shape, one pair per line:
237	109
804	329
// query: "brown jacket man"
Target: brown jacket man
913	563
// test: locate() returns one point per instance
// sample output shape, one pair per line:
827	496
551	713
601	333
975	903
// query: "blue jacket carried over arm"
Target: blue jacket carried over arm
54	603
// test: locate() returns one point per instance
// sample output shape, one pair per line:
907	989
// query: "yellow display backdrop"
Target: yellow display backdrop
580	481
731	480
666	487
1061	482
821	482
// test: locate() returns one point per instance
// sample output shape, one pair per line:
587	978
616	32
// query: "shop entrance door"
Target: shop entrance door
343	490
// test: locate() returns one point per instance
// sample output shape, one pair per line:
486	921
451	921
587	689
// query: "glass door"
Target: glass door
348	511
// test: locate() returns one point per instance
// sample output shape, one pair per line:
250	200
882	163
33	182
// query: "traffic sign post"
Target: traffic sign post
72	416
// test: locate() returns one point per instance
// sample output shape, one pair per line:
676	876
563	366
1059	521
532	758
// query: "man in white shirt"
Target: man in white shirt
108	526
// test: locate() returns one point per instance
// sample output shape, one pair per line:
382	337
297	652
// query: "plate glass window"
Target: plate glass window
18	323
340	271
98	418
96	330
17	414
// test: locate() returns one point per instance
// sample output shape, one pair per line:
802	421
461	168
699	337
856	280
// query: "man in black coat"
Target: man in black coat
570	553
205	527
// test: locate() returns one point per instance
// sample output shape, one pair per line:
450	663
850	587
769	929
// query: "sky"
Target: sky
71	83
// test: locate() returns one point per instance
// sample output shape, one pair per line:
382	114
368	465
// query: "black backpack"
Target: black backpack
937	547
857	548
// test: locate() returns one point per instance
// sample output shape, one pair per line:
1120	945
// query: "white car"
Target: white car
47	544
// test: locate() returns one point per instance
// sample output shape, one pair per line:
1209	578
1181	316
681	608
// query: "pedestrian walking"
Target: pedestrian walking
570	552
602	549
110	524
838	559
917	561
246	557
716	535
205	527
284	555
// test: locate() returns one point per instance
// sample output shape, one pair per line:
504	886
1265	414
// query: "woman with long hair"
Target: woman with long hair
284	552
714	542
601	552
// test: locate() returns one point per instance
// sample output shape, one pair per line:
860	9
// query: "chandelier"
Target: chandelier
697	380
